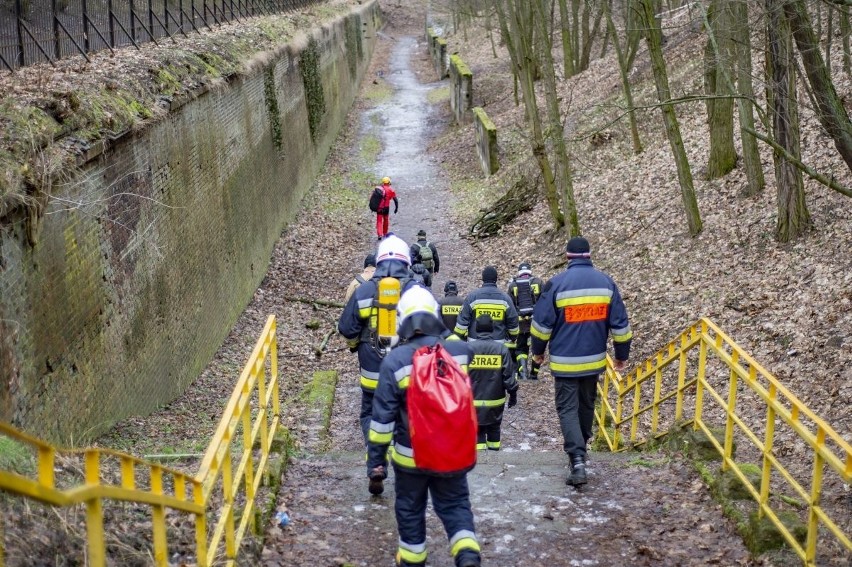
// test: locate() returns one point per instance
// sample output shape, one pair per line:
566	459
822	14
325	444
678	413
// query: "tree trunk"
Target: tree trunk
793	216
625	80
745	107
555	128
658	64
590	35
832	115
844	32
519	42
718	82
567	42
829	32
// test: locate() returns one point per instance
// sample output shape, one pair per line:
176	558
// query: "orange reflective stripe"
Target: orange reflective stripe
585	312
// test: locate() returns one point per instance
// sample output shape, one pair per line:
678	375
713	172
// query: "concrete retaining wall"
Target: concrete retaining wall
461	90
486	141
438	53
147	258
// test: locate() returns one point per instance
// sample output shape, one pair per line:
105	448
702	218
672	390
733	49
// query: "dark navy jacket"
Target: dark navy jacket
355	319
490	300
576	312
492	374
390	412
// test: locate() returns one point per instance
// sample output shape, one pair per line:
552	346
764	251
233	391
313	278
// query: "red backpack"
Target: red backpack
441	417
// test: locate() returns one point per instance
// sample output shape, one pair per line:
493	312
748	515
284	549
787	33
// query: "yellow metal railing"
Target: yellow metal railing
704	373
218	491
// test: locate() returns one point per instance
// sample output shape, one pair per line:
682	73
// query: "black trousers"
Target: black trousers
488	436
575	405
451	501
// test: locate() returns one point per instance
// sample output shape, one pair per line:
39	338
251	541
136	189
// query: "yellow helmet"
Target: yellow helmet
385	180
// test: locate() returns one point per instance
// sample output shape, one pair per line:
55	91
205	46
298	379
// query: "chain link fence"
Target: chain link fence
38	31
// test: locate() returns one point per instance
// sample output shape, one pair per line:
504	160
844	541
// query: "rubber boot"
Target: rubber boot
377	485
578	471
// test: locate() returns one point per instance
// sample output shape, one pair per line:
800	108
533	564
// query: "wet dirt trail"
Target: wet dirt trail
524	512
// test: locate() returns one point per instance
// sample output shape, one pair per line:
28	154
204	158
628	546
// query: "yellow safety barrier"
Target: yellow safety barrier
691	374
217	492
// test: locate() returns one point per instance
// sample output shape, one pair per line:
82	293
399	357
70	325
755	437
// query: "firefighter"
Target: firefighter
524	289
355	322
418	269
369	269
383	214
577	309
418	325
427	253
492	377
490	300
451	304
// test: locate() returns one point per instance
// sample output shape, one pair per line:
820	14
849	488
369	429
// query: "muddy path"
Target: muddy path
524	512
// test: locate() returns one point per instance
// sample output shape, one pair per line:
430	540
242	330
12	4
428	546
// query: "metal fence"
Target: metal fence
38	31
221	497
704	379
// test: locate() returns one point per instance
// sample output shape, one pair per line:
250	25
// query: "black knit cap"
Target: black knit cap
451	287
370	260
578	247
484	324
422	233
489	274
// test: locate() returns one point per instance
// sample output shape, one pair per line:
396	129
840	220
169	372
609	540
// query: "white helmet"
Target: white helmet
393	248
416	300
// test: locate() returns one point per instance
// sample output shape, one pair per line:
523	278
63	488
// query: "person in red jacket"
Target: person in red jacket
382	222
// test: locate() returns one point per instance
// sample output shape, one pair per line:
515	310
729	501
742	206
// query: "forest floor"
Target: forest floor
788	305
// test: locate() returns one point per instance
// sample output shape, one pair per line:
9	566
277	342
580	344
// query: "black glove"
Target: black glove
395	209
513	398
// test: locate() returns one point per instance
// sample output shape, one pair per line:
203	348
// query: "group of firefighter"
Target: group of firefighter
498	338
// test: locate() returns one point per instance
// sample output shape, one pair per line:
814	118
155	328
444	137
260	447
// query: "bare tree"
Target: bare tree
745	105
653	35
621	58
718	56
830	110
514	17
555	129
793	216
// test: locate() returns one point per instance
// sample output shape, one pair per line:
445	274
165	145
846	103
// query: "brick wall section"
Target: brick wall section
146	260
486	141
461	89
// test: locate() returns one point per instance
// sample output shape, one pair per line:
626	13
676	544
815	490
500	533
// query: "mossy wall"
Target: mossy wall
461	90
486	141
147	258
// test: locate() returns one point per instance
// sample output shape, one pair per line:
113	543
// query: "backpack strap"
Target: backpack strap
360	279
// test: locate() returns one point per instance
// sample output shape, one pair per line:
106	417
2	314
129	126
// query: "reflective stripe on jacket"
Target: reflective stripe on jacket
355	320
390	413
491	373
576	312
491	300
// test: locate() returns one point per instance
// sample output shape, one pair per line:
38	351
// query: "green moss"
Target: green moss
16	457
439	95
460	66
483	117
271	97
312	81
371	146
